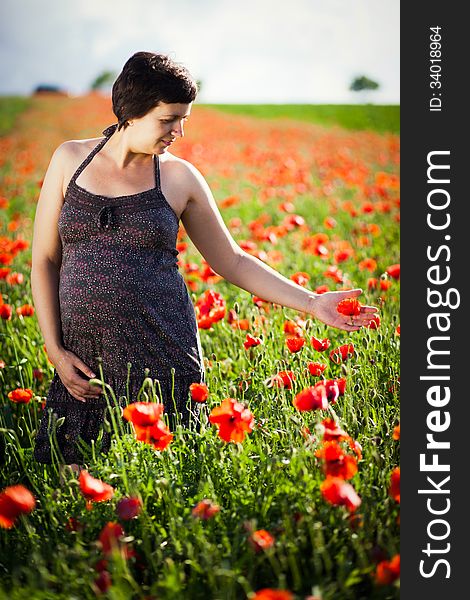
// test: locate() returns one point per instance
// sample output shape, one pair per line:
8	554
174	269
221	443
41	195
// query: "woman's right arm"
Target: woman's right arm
46	262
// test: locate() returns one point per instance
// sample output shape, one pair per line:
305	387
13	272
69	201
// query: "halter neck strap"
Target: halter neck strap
108	132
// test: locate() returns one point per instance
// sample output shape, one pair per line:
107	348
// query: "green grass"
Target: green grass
10	108
380	118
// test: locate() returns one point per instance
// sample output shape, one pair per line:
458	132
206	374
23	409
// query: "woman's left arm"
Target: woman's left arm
205	227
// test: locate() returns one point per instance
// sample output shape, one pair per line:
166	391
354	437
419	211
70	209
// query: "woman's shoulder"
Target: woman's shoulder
75	147
71	153
179	166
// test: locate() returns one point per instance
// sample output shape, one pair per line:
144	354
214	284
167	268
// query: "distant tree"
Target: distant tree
363	84
103	80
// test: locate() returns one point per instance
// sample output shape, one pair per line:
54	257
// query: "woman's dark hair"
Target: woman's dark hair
147	79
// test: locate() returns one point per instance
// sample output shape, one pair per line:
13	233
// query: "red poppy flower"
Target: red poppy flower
336	462
143	414
103	581
394	271
205	509
394	489
261	540
21	395
207	274
232	316
343	255
334	273
349	307
388	571
291	328
129	508
158	435
372	283
94	490
251	341
233	419
332	431
6	259
374	323
320	345
337	491
396	432
316	369
242	324
341	383
332	390
294	344
15	278
210	308
271	594
110	537
356	448
300	278
235	322
322	289
101	565
73	524
329	223
315	244
311	398
284	379
368	264
397	330
38	374
342	353
15	500
260	302
385	284
25	311
19	244
6	311
199	392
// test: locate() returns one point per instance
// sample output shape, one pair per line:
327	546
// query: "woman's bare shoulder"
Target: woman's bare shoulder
71	154
179	166
73	148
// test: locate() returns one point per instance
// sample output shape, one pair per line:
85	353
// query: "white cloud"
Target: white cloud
244	51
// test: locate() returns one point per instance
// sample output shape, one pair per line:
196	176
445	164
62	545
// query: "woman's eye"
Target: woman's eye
171	120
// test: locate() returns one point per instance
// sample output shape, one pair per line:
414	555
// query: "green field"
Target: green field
10	108
374	117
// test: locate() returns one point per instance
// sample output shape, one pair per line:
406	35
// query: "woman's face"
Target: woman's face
156	130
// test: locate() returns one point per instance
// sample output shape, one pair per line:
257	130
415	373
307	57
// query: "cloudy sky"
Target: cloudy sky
242	50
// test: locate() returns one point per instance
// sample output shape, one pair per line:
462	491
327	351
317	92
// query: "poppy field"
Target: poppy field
291	490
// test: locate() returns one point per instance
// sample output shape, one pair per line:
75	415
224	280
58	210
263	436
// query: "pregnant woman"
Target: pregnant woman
105	279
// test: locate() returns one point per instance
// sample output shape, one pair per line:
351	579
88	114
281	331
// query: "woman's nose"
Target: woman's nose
178	130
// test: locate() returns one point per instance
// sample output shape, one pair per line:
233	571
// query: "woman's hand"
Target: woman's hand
68	367
323	307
